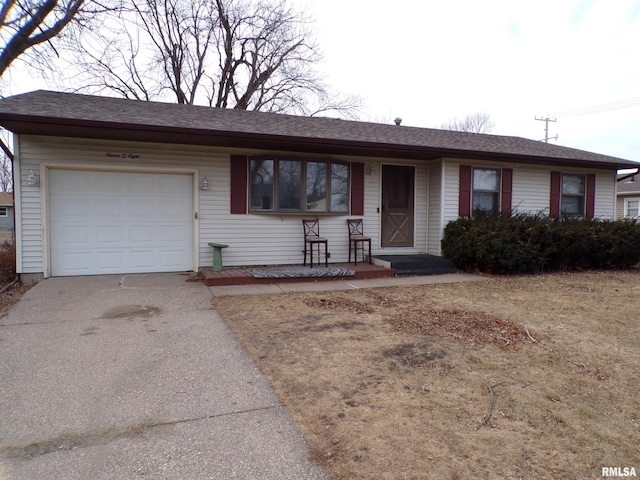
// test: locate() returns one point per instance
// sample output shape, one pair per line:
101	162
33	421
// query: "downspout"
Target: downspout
9	154
8	287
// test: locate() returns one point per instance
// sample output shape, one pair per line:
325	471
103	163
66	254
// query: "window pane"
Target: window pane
572	205
633	208
289	184
486	201
573	184
316	187
486	179
261	180
339	187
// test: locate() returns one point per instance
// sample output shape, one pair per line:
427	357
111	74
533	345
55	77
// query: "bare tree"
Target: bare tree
25	24
479	122
223	53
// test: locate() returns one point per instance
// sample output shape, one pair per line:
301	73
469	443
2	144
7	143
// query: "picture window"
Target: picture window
297	185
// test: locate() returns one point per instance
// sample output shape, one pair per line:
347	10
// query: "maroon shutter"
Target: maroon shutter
590	209
507	190
464	198
239	171
556	186
357	189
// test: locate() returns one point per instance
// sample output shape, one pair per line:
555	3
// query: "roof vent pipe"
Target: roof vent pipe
398	120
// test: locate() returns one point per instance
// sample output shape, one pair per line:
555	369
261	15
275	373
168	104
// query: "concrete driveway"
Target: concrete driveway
136	376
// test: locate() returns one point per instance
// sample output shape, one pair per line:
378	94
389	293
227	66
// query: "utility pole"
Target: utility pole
546	121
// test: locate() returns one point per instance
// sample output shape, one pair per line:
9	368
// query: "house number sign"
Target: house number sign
122	155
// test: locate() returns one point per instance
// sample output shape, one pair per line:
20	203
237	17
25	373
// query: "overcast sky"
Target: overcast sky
429	61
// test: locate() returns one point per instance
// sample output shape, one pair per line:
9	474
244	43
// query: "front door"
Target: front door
397	206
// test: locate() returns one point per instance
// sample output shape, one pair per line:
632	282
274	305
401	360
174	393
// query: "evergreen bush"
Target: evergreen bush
510	243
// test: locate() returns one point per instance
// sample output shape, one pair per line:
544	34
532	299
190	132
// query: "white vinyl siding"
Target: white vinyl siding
434	233
531	187
265	239
253	239
605	195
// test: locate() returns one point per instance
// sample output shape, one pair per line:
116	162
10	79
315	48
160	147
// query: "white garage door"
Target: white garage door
119	222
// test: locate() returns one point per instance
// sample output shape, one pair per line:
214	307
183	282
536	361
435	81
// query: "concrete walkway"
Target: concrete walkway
327	285
136	377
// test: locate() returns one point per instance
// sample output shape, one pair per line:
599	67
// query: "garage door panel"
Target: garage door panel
174	210
75	182
145	185
75	235
110	261
106	183
119	222
141	259
171	236
143	234
106	207
106	235
77	262
72	207
142	208
171	258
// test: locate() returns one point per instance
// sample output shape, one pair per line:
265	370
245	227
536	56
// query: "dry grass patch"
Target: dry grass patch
443	381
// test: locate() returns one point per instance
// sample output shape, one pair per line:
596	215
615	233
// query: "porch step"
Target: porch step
239	276
406	265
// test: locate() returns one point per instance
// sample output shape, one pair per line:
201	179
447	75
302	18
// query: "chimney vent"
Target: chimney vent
398	120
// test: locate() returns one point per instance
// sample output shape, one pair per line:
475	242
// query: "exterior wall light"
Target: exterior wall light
204	183
33	179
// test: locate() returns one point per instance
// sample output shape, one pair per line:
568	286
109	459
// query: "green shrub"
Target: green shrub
530	243
7	263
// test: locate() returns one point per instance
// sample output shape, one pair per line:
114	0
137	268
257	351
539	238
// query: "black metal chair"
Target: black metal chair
312	237
356	237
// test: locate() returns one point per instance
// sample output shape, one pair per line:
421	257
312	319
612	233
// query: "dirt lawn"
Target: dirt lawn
519	377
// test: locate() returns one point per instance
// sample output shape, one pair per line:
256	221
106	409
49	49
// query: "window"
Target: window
573	195
631	207
261	174
293	185
3	211
486	190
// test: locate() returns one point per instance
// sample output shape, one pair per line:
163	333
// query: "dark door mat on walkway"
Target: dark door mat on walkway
419	264
297	271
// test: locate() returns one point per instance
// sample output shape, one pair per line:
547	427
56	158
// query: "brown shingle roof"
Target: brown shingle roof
65	114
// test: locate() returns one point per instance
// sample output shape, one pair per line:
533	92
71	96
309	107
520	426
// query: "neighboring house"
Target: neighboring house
108	185
6	211
628	196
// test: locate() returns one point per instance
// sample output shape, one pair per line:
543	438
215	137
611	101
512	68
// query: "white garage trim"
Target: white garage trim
147	178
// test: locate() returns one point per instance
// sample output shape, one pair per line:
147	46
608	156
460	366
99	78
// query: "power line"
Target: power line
605	107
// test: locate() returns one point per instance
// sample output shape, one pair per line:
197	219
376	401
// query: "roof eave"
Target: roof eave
46	126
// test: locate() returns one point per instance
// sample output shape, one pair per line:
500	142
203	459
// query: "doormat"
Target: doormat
298	271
